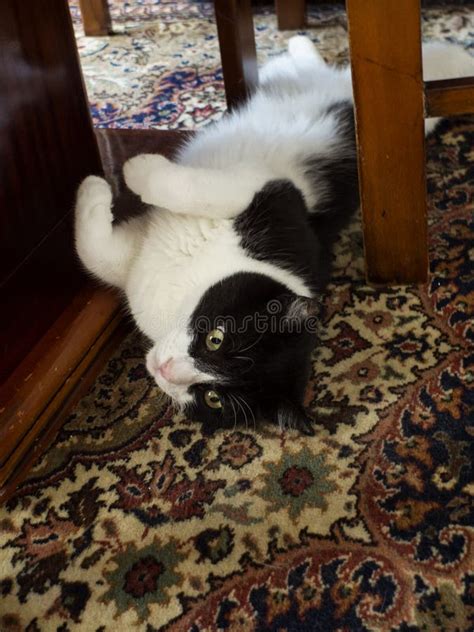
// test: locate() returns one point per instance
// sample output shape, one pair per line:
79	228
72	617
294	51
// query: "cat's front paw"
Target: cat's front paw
94	204
144	173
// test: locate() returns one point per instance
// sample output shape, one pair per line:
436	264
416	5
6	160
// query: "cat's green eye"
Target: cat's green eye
212	399
214	339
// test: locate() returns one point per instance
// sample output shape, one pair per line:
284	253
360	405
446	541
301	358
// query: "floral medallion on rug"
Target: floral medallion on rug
139	519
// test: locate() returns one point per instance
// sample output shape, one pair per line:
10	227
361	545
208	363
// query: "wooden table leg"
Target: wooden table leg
385	43
291	14
237	45
96	17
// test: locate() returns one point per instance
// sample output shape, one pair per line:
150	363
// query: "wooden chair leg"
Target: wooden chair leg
96	17
291	14
385	43
237	46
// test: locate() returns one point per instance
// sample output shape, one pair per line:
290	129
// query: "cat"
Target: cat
225	271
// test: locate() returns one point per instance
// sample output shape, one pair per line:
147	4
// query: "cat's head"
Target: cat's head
243	354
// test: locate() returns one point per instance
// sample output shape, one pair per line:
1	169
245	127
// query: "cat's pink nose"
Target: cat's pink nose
166	369
177	371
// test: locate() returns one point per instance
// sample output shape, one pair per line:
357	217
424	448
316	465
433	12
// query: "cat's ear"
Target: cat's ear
297	309
302	307
291	415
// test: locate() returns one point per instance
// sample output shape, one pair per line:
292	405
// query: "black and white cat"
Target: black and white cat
225	270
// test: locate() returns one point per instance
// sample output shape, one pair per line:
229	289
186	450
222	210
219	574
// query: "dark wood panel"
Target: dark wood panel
449	97
36	294
385	44
96	17
44	372
237	46
47	146
41	434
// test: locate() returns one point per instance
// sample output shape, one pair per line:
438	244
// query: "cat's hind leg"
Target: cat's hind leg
286	68
104	249
303	52
286	71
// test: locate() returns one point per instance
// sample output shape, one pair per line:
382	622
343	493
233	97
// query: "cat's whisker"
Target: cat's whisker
239	407
235	413
237	399
251	412
252	345
247	359
176	406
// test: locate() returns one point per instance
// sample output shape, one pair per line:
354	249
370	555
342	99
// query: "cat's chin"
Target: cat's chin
177	392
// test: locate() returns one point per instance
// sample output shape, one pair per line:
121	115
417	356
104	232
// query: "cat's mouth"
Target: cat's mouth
179	393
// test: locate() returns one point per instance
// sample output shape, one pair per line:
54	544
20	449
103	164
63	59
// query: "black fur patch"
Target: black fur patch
126	204
337	174
276	228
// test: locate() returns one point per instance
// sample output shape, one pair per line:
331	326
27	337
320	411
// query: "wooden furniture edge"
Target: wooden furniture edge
449	97
385	46
73	389
40	386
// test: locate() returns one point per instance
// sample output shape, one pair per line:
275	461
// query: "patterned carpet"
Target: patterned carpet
136	519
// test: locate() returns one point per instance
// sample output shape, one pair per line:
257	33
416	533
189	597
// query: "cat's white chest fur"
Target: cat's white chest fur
179	258
178	254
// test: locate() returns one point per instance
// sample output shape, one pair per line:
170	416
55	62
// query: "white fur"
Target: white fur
105	250
193	191
166	260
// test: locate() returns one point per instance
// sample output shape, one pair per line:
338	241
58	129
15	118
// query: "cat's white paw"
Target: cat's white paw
94	204
144	173
94	188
